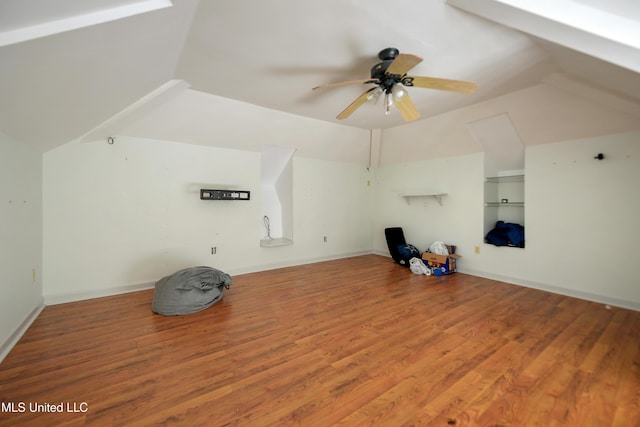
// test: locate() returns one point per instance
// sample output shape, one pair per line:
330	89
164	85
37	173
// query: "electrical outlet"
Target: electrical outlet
214	250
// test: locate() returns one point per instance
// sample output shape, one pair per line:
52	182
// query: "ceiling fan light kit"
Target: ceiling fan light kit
373	95
390	78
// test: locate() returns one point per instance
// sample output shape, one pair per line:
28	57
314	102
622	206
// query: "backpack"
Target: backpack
408	251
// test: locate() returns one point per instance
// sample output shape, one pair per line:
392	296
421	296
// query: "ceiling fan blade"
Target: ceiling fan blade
440	84
403	63
407	108
348	82
354	105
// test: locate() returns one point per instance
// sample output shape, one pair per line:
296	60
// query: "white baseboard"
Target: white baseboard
383	253
53	299
13	339
616	302
273	266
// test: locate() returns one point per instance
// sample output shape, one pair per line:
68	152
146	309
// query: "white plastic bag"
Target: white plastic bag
417	266
439	248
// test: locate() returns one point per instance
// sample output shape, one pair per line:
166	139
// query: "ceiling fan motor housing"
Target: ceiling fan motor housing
378	72
388	54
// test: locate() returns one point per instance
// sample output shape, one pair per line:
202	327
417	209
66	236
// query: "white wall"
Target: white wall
458	220
331	199
583	217
581	214
121	216
20	238
581	222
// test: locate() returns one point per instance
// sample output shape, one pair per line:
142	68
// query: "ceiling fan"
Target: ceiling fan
390	79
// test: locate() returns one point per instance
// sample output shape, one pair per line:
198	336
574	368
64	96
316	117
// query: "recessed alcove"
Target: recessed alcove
276	196
504	170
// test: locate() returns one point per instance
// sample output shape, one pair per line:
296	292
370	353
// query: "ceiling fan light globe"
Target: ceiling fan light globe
374	95
398	91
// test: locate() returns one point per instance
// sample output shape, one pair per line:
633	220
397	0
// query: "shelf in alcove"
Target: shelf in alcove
505	178
271	243
437	196
509	204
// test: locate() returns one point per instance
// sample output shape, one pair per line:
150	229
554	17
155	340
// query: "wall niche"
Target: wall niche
276	191
504	176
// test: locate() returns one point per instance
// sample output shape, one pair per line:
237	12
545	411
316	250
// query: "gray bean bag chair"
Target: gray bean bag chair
189	290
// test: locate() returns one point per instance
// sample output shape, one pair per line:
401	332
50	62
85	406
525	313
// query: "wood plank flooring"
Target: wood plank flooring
357	341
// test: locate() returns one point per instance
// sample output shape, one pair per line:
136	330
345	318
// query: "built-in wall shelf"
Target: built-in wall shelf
437	196
504	197
270	243
504	204
505	189
507	178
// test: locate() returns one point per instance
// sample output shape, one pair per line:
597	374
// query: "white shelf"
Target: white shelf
270	243
502	181
507	178
436	196
508	204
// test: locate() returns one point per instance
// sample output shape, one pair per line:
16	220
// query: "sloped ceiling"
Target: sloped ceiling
81	67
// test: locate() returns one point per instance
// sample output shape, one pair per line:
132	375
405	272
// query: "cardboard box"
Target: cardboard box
446	264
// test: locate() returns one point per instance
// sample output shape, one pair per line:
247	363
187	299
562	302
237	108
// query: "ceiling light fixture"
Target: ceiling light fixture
388	102
374	95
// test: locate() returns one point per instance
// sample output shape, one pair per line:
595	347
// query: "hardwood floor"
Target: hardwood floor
358	341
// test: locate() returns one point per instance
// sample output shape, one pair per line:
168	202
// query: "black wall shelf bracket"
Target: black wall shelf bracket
224	195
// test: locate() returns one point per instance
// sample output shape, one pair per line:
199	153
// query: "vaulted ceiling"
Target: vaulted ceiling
69	70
